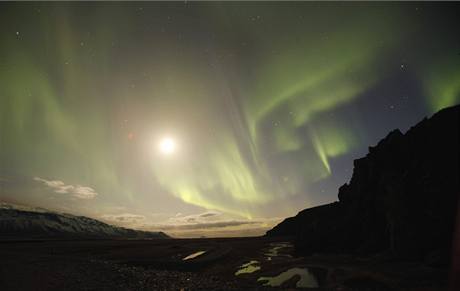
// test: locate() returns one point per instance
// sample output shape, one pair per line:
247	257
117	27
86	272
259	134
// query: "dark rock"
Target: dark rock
401	199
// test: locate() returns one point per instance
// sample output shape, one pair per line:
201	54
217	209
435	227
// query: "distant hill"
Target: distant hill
402	198
19	222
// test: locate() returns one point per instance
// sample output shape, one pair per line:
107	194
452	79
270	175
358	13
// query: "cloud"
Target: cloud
211	220
124	218
209	214
77	191
221	227
196	218
207	225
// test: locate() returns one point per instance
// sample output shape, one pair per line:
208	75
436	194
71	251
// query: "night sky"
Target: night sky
210	119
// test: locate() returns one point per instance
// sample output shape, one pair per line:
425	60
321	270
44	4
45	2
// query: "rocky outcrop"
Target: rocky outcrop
401	199
17	223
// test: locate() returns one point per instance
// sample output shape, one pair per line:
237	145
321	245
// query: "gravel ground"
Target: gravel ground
158	265
72	274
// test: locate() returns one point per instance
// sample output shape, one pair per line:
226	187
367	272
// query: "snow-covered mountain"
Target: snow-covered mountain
30	222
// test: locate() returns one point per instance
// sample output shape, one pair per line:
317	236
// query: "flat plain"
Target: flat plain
159	265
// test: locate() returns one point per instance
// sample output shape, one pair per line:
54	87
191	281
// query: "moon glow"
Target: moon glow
167	146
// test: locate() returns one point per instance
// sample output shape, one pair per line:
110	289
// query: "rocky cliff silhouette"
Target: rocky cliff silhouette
401	200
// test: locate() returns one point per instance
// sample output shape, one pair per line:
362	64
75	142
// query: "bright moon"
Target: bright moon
167	146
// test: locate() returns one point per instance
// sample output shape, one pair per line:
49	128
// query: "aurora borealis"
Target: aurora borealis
267	103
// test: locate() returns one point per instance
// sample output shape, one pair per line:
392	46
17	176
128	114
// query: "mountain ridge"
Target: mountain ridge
23	222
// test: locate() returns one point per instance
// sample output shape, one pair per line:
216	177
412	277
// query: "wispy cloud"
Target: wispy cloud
196	218
126	219
207	225
210	224
209	214
77	191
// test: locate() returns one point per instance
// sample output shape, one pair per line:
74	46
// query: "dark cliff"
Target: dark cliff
401	200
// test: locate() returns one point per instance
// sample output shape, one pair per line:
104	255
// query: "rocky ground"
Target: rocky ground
158	265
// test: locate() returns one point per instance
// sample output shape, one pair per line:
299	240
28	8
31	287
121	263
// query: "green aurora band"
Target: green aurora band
247	104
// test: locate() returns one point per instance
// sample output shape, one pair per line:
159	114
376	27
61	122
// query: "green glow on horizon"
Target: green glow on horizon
443	85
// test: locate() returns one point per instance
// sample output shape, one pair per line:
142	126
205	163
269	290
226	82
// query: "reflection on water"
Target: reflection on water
307	280
194	255
248	268
275	248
